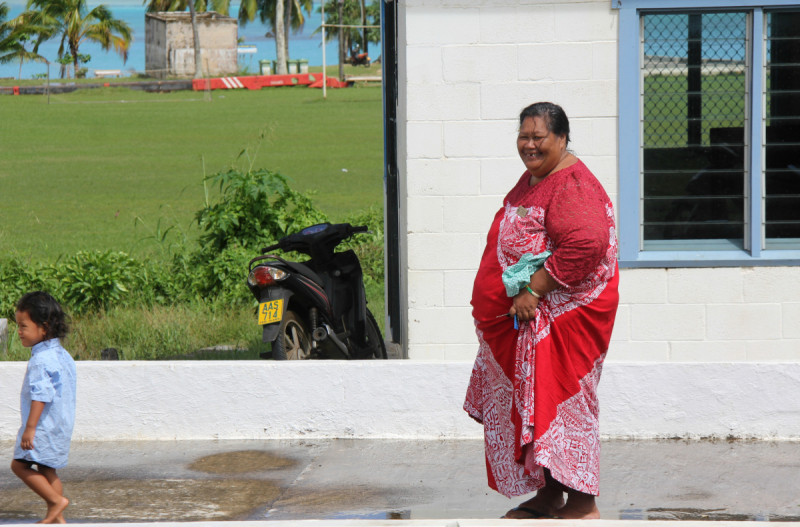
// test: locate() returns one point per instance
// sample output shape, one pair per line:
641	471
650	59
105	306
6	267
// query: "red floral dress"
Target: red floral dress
535	390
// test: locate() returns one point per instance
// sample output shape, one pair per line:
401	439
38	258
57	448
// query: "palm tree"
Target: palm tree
15	33
75	23
293	20
247	12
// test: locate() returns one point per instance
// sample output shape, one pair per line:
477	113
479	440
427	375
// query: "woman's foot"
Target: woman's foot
568	513
55	511
542	505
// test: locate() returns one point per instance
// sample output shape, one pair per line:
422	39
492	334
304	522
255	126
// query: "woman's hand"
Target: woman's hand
524	306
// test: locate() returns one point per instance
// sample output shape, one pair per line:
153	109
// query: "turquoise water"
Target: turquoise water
302	45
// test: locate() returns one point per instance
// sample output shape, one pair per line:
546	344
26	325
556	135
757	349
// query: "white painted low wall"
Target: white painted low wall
400	399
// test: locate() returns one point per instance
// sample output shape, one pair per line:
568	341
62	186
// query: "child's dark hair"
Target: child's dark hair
554	117
46	312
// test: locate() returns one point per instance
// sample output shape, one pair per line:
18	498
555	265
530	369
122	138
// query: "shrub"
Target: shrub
95	279
18	277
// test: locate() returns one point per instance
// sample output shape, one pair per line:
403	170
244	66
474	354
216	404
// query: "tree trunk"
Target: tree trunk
198	62
340	4
289	6
19	77
363	29
280	38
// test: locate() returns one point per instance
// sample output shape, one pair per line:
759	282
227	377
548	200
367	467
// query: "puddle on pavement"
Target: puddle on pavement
241	462
146	500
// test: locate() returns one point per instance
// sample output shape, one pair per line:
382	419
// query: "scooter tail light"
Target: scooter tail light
264	276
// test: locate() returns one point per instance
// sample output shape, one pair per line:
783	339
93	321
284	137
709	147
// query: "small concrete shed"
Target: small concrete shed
169	44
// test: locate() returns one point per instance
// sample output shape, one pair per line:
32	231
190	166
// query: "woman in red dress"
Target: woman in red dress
534	388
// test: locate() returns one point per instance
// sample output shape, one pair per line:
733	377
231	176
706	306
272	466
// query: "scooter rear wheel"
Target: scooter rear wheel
293	341
374	338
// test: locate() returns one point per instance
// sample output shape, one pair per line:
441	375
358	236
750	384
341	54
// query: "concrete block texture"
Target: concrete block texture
443	177
470	213
424	140
458	288
507	100
791	320
477	63
743	321
587	22
668	322
429	25
443	102
629	351
713	285
425	289
445	251
480	139
643	286
424	64
587	98
424	214
451	325
622	324
773	351
498	176
604	60
504	24
771	284
558	61
707	351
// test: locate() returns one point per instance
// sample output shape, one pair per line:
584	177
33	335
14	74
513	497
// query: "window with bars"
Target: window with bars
717	165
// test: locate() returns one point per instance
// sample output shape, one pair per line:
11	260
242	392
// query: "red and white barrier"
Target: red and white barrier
256	82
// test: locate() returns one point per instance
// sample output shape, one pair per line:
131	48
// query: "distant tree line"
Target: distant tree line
74	23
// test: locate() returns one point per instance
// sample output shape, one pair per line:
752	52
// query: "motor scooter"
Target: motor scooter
316	309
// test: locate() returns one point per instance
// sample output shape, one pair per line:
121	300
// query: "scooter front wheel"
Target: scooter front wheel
293	341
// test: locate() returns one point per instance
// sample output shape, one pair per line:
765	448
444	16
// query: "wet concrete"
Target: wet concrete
394	479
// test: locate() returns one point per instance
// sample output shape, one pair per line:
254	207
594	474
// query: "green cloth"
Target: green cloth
517	276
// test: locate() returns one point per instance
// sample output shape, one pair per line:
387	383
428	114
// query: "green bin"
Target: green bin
302	66
292	66
265	67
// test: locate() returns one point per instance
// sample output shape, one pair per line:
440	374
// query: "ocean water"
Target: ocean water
302	45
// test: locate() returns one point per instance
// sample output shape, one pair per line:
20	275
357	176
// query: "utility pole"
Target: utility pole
340	5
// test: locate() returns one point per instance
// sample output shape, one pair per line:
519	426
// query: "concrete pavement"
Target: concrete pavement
351	479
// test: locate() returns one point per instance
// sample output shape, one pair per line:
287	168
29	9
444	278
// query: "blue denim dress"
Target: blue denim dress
51	379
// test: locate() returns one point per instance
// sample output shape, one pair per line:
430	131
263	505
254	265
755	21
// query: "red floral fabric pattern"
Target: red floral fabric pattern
534	389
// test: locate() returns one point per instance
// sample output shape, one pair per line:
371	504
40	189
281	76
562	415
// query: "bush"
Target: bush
18	277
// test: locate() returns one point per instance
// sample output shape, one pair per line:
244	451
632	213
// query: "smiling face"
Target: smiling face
540	149
30	333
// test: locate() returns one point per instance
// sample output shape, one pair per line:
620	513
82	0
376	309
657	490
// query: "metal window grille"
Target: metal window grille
695	97
781	148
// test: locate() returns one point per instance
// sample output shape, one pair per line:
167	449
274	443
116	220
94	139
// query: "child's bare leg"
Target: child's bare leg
55	482
38	483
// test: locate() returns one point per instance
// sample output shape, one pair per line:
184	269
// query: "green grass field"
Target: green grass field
76	173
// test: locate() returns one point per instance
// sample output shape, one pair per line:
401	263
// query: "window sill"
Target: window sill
652	259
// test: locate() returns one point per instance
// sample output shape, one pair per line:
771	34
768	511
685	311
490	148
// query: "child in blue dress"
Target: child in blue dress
47	401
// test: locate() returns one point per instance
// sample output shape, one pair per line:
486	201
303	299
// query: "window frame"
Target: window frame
629	145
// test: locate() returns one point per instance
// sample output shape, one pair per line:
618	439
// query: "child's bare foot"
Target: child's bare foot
55	511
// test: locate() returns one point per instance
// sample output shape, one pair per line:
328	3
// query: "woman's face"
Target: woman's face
540	149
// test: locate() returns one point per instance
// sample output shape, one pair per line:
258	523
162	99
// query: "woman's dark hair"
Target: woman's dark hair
553	115
45	312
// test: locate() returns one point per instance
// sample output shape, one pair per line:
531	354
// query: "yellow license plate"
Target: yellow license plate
269	312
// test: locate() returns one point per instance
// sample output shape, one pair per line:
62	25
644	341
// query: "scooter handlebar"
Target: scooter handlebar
363	228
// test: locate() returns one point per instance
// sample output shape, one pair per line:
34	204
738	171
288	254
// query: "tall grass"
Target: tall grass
160	332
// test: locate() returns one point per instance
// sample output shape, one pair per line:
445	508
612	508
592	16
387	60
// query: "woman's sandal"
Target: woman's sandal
534	514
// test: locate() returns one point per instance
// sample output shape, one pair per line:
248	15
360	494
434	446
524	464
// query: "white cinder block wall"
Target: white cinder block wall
467	67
